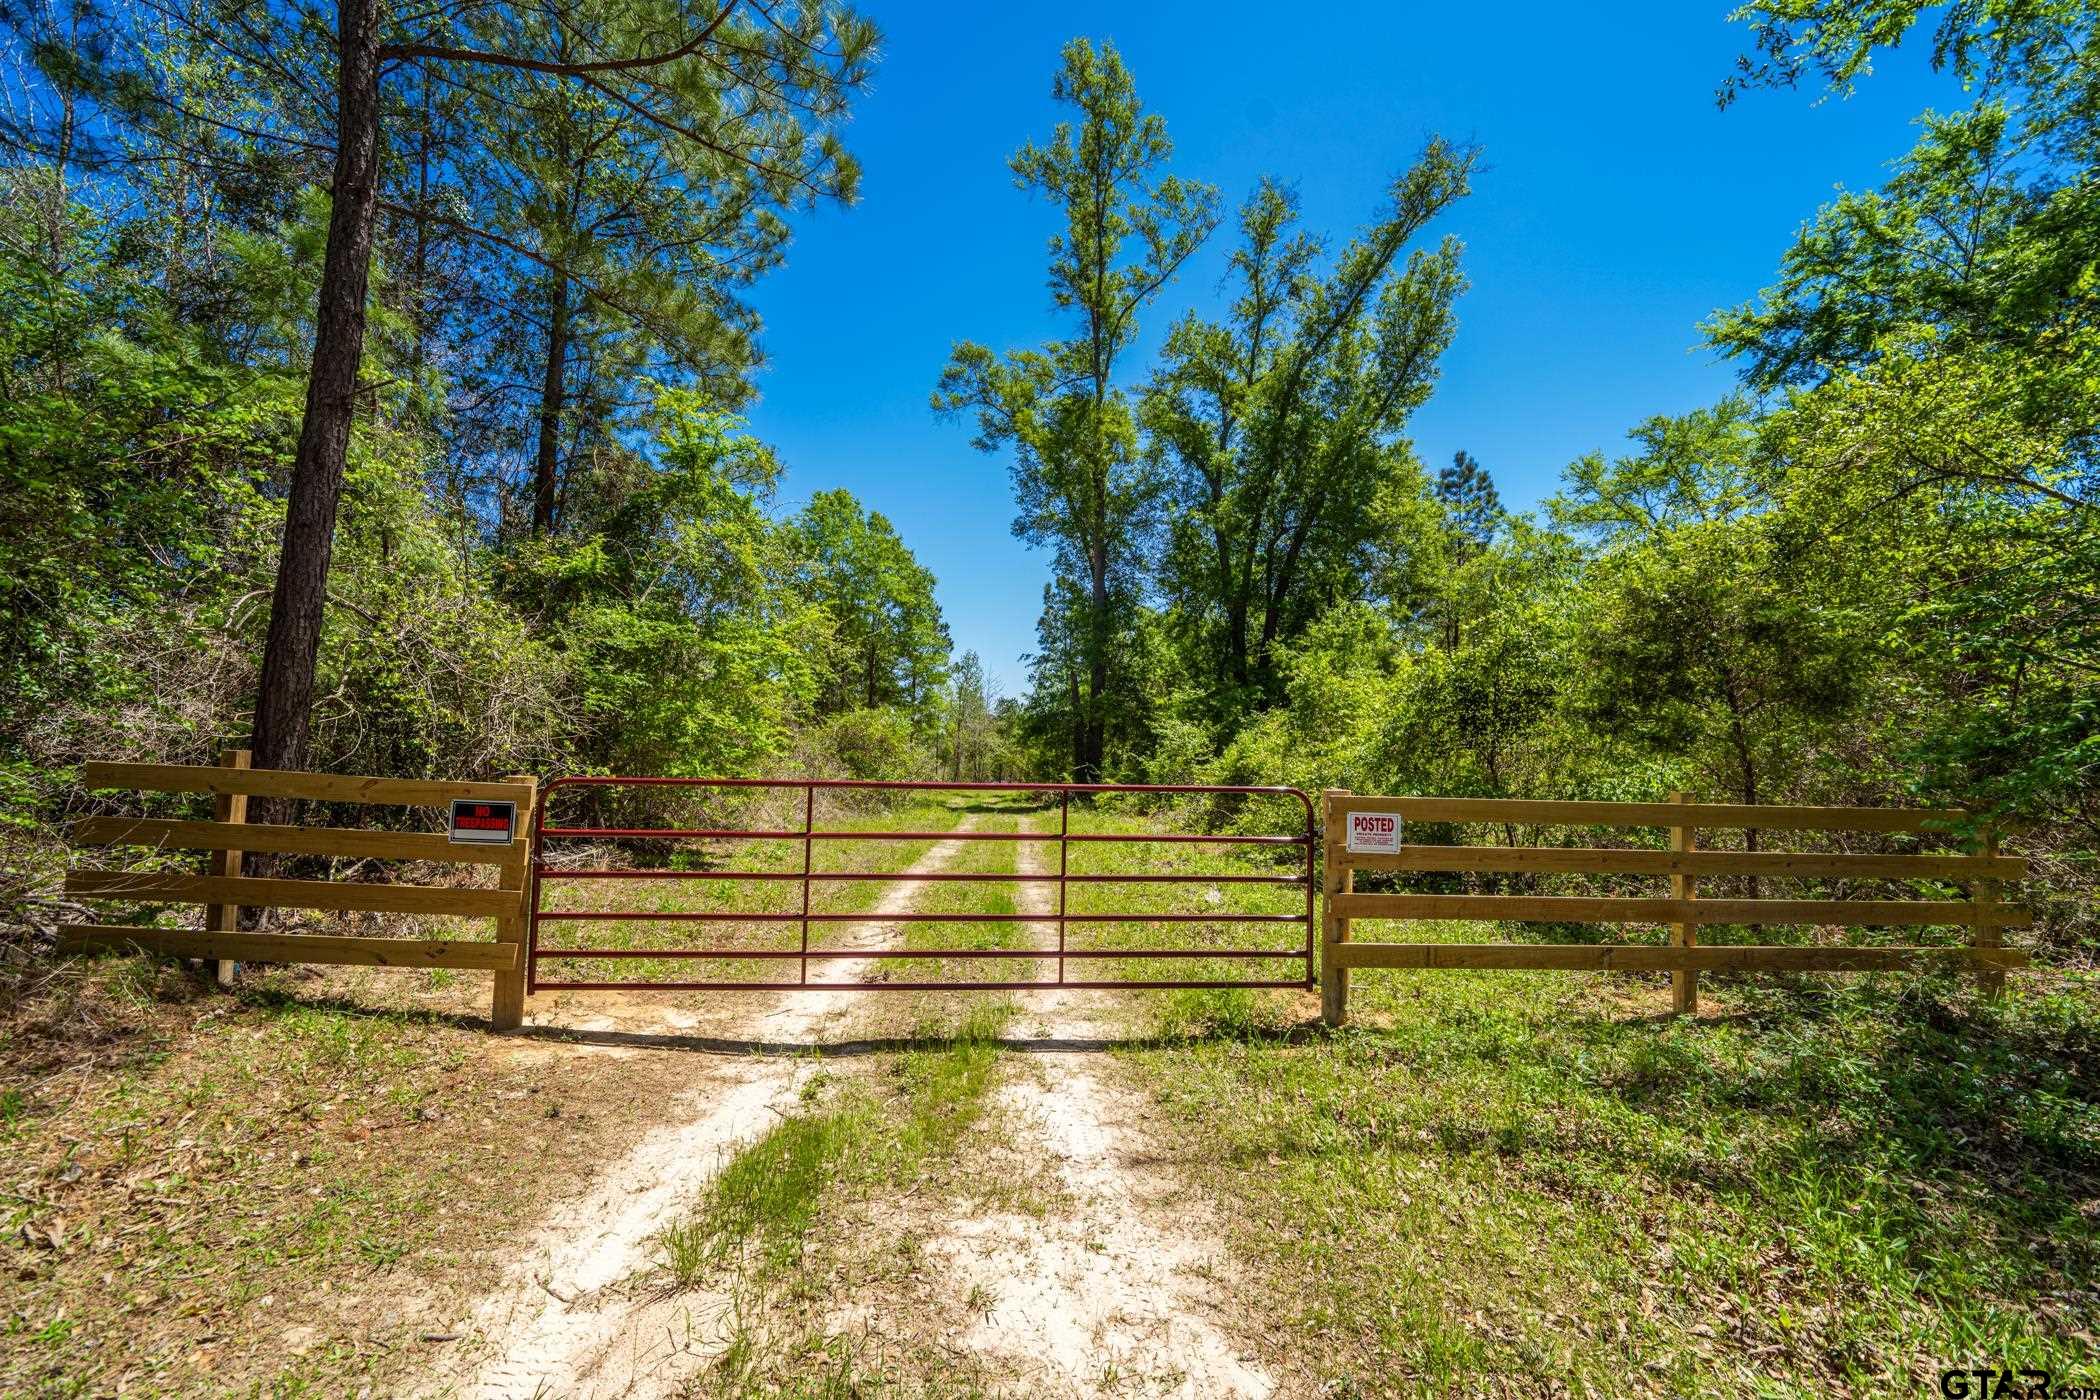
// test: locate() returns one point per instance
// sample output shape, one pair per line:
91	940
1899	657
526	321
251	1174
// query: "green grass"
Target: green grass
1521	1179
928	812
766	1197
761	1206
275	1144
995	814
1195	897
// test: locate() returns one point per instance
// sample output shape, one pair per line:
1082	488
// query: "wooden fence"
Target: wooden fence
1683	911
224	891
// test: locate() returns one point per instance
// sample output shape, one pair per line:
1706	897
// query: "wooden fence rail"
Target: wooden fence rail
225	891
1682	912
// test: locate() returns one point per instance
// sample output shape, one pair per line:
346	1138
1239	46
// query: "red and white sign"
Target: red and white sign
1374	834
482	823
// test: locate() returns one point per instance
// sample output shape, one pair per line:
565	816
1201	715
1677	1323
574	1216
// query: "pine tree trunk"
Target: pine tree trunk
553	392
284	698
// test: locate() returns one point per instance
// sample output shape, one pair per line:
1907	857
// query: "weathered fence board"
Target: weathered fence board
277	782
1628	957
288	840
294	947
225	891
1684	912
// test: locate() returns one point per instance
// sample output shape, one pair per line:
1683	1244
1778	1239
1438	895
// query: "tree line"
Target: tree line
371	376
1871	573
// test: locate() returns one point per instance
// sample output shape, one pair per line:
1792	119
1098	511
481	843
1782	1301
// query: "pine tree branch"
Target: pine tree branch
493	58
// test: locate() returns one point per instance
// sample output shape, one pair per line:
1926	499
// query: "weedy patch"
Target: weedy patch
269	1190
1538	1181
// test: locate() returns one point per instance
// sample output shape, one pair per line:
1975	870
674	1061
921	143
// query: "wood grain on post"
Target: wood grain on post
232	809
1684	982
1989	928
507	1000
1337	880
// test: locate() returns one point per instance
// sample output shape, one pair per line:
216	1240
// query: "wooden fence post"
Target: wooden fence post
1987	932
1684	981
227	807
507	1002
1336	878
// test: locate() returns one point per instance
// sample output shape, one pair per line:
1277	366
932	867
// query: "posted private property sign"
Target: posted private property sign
482	823
1374	833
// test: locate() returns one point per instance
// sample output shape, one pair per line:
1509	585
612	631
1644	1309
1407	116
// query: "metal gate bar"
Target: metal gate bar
809	835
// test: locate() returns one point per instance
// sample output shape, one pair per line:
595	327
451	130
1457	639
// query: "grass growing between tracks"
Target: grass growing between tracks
1529	1181
804	1224
998	814
850	1136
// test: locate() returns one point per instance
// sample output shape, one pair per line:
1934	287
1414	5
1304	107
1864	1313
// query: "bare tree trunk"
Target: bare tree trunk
1078	719
553	391
284	697
1086	764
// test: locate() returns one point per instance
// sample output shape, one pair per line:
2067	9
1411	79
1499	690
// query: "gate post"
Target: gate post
1684	982
1987	932
507	1001
1336	878
231	807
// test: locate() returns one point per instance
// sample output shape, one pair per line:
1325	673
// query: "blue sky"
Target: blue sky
1618	208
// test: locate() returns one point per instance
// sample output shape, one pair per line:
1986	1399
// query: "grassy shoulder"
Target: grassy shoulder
282	1188
278	1189
1537	1179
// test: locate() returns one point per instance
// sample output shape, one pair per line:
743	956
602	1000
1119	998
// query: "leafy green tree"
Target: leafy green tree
2040	49
1695	636
133	458
1481	711
756	85
889	645
674	596
977	750
621	247
1081	483
1939	443
1283	425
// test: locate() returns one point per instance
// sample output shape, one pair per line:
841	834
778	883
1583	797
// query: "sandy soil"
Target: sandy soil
568	1320
1122	1288
1125	1289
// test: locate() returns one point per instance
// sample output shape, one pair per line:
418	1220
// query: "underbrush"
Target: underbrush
1537	1179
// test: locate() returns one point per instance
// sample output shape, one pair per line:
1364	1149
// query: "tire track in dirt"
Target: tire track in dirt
569	1319
1128	1289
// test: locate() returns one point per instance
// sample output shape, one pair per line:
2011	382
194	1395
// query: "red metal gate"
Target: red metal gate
799	879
